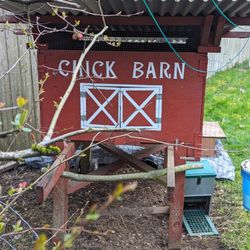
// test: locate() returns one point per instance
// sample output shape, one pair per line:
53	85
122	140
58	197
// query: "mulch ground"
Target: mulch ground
144	232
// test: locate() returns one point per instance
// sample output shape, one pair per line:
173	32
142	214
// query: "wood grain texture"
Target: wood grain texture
21	81
170	166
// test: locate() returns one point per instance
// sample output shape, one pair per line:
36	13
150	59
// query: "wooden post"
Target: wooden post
60	195
60	206
48	182
176	203
84	161
176	213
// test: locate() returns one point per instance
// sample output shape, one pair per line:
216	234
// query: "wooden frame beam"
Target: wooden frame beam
76	185
131	160
241	20
206	30
48	182
206	49
236	34
219	30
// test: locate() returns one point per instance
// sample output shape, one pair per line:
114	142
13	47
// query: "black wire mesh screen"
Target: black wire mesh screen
64	41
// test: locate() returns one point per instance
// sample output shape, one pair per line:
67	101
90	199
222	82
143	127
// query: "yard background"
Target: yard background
227	101
23	80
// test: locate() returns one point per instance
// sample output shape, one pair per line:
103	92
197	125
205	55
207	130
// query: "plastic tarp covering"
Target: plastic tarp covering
39	162
222	163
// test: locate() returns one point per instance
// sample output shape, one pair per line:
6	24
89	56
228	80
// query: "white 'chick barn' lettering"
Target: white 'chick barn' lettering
106	69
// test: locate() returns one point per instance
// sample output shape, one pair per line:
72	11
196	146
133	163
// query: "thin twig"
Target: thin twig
102	15
51	169
71	86
8	133
97	14
9	108
61	227
55	229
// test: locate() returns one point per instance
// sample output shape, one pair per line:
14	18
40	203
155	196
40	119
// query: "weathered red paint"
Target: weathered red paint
176	207
182	104
182	99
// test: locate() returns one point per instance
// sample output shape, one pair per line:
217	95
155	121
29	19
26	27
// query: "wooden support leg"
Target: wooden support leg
48	182
56	185
60	206
176	213
84	161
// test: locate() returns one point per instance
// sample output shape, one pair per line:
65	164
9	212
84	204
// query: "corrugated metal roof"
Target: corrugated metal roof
231	8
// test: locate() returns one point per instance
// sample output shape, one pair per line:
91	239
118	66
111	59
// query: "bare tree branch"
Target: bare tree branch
45	1
71	85
127	177
96	14
17	155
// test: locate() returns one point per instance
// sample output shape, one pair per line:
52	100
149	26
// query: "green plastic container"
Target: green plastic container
200	182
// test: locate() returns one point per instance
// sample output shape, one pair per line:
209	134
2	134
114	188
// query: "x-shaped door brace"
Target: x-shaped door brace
138	109
122	91
102	106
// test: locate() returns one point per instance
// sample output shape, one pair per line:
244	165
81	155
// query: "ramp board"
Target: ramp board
198	223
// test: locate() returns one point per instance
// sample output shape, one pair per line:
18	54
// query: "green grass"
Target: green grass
228	101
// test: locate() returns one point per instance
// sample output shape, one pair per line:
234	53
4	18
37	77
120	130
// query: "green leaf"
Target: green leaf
118	191
57	246
11	191
64	14
21	101
17	120
68	240
23	118
2	227
17	227
26	130
55	11
40	242
77	22
93	216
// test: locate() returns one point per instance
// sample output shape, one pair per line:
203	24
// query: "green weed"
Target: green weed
228	101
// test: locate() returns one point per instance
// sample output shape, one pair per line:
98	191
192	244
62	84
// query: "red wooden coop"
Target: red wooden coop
131	79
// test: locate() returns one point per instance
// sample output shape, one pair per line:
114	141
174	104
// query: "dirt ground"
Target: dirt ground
144	232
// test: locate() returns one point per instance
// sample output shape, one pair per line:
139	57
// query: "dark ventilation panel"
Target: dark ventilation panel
64	41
